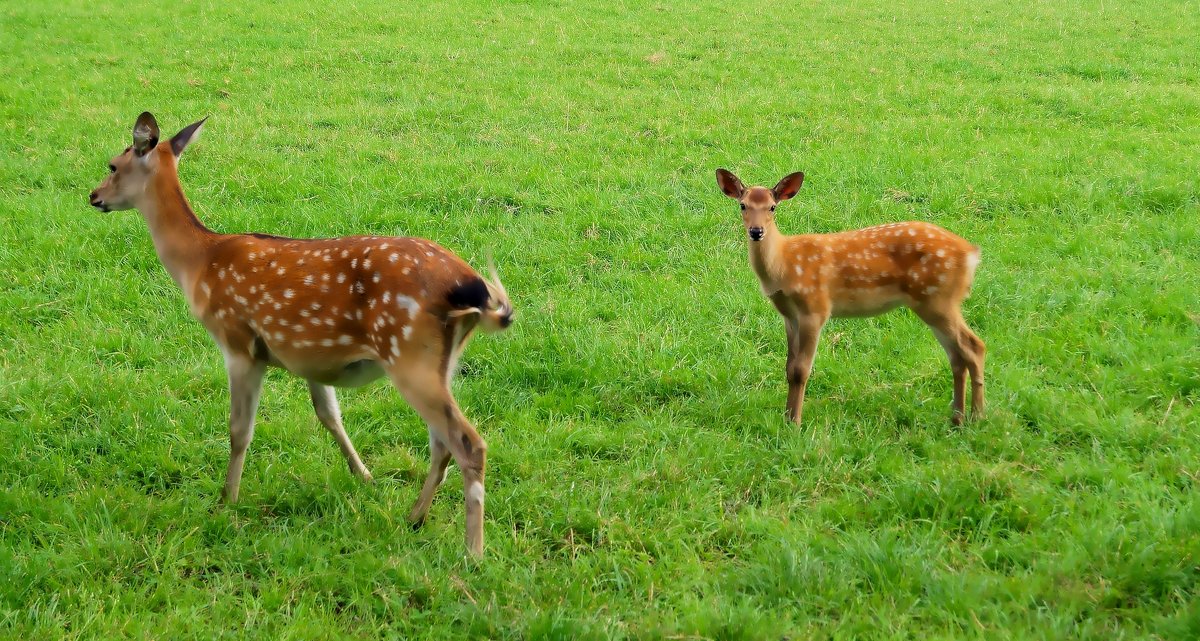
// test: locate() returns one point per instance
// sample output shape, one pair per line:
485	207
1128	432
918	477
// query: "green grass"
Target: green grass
642	480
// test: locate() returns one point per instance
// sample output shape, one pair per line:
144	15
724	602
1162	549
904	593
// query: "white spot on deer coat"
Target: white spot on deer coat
408	303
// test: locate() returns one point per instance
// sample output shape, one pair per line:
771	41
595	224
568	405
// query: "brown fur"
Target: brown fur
336	311
811	278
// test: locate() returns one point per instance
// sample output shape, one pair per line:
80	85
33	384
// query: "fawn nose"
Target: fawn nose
756	233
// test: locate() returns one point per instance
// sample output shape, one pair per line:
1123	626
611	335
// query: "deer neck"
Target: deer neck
180	239
766	257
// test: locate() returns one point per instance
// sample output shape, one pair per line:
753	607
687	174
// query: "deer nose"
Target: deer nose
756	233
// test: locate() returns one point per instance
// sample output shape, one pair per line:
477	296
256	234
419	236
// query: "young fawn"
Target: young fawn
866	272
338	312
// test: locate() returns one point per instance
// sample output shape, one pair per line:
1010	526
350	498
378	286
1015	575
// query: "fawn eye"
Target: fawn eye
772	207
743	206
112	169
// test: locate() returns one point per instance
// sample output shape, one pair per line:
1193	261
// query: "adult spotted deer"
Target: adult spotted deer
812	277
336	312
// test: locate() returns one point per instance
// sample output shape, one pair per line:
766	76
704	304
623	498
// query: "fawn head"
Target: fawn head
130	173
758	203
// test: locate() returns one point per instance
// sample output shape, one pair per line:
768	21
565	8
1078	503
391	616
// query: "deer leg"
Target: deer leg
324	401
957	341
245	384
439	459
975	349
794	397
430	397
807	335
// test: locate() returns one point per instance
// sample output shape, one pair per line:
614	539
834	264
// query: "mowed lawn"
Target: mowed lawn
642	480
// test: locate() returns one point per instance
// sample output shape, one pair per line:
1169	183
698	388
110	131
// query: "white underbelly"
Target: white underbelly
352	374
867	301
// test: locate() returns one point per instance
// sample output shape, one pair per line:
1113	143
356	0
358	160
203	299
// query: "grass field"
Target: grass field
642	480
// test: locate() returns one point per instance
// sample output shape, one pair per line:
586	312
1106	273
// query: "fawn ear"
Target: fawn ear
730	184
180	141
788	186
145	134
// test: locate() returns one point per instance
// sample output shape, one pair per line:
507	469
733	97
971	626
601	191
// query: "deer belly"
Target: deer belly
352	374
867	301
347	369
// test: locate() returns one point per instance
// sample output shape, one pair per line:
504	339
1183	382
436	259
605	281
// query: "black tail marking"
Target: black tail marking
473	293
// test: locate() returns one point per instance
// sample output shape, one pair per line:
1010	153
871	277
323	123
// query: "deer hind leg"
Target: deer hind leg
977	349
965	351
245	384
804	332
324	401
430	397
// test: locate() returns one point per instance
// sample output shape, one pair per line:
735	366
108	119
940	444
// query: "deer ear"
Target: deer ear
788	186
145	134
188	134
730	184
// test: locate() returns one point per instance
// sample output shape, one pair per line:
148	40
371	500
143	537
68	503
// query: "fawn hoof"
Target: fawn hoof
416	519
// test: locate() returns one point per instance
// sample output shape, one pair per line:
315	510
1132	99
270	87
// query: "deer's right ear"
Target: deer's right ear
730	184
145	134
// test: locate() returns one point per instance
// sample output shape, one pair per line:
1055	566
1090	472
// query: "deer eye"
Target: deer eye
772	207
112	169
743	206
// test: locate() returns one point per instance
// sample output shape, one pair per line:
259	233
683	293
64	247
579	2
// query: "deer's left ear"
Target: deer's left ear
180	141
145	133
788	186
